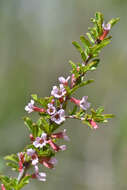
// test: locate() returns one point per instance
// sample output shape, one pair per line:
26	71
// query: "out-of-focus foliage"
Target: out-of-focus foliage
35	45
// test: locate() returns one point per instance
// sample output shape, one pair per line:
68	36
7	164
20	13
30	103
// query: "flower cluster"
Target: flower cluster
53	111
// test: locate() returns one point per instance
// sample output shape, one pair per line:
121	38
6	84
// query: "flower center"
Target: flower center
57	116
41	141
59	92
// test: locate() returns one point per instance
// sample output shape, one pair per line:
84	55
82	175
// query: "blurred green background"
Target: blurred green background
35	46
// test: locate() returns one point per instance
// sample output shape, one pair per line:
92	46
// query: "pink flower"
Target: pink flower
48	162
33	155
30	107
2	187
82	103
93	124
58	92
64	81
40	141
55	147
106	26
40	176
21	160
58	117
61	135
31	137
106	29
51	109
73	80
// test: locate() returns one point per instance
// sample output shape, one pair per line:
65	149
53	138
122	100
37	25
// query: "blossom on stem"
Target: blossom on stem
64	81
40	176
106	29
51	109
93	124
58	117
48	162
58	92
2	187
30	107
73	80
21	160
31	137
106	26
55	147
33	155
40	141
82	103
61	135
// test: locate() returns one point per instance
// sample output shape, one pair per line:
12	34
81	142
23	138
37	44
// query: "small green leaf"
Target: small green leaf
34	96
35	130
113	21
99	22
109	116
84	83
12	157
96	48
74	110
99	110
85	42
83	56
90	37
77	46
92	65
28	122
23	182
14	166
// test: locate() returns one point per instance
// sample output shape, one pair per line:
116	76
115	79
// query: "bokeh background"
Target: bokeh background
35	46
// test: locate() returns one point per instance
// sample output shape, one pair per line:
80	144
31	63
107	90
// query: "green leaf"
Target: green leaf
84	83
99	110
83	56
96	48
42	101
90	37
77	46
113	21
74	110
94	32
28	122
85	42
34	96
99	22
12	157
109	116
23	182
91	66
14	166
35	130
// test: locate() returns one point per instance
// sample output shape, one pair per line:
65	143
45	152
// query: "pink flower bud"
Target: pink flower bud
31	137
30	107
38	109
73	80
2	187
61	135
78	68
106	29
20	166
93	124
75	101
54	146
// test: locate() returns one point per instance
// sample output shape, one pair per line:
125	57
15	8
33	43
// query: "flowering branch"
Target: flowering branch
53	111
